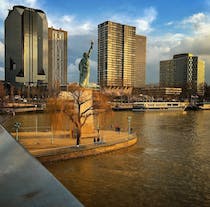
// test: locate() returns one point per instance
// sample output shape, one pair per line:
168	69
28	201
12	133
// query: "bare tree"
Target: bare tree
83	107
76	112
57	116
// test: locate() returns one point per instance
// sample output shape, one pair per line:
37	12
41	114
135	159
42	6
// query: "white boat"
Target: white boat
122	106
144	106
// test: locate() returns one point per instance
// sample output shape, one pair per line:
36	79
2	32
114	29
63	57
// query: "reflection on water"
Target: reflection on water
169	166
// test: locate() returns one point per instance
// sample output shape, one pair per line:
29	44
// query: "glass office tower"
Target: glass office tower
26	46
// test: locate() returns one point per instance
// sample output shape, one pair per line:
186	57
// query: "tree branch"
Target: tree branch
85	101
85	119
88	109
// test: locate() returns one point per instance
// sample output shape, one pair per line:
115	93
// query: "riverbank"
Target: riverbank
48	149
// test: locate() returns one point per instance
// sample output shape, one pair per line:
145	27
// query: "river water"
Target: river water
169	166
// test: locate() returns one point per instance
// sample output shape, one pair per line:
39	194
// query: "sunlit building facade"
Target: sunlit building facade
26	46
117	55
140	71
184	70
57	62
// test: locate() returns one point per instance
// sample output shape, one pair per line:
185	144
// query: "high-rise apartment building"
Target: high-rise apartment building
140	71
184	70
26	46
57	53
118	54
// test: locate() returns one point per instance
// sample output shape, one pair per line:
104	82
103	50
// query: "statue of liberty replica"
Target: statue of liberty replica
84	68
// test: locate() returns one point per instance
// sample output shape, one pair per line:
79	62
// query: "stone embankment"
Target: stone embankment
62	148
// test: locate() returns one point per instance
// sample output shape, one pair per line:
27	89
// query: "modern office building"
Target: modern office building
26	47
167	73
57	53
184	70
117	55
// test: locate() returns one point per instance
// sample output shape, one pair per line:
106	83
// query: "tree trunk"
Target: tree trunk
78	136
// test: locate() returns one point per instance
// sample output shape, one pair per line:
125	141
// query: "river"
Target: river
169	166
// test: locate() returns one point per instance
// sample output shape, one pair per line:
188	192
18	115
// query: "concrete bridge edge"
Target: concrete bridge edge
25	181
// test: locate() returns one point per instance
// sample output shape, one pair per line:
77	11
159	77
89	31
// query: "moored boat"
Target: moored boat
146	106
122	107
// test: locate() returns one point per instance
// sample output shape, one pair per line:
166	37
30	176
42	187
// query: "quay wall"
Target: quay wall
82	151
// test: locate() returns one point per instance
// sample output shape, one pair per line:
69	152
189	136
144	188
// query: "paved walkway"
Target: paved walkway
44	141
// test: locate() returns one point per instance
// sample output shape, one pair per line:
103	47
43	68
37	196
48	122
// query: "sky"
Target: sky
171	27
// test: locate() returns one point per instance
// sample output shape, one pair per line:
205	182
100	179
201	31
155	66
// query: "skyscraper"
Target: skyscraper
139	74
118	55
184	70
26	46
57	62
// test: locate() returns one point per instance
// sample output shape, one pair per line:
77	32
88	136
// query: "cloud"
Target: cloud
142	23
192	35
1	51
199	46
76	26
198	41
72	24
195	19
159	48
81	32
195	41
198	23
169	23
73	72
1	73
8	4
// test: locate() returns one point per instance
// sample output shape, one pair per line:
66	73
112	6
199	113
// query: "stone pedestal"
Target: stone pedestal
88	128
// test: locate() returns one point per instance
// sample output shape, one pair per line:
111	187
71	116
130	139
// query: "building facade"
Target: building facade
167	73
184	70
162	93
117	55
57	54
140	71
26	47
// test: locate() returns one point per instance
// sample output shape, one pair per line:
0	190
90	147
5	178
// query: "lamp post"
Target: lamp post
129	124
17	126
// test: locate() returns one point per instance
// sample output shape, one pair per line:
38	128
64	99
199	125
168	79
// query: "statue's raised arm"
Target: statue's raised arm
91	48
